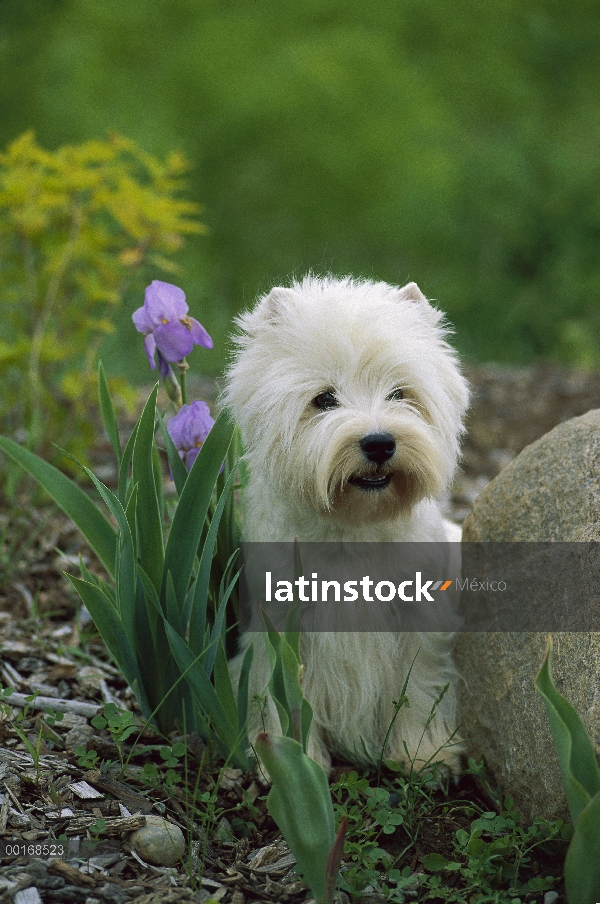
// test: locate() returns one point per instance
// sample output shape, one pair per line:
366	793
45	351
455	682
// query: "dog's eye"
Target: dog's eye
326	400
396	396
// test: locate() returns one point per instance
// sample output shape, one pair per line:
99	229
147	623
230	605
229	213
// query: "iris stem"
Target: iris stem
183	369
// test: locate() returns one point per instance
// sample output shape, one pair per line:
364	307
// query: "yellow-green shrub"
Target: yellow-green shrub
79	227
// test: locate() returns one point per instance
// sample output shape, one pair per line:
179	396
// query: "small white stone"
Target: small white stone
551	897
159	842
28	896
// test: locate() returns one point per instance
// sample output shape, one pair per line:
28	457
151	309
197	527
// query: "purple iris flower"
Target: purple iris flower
166	326
188	430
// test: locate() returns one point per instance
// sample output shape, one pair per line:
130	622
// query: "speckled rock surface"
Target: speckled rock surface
550	492
159	842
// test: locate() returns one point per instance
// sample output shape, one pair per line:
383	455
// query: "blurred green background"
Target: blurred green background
453	143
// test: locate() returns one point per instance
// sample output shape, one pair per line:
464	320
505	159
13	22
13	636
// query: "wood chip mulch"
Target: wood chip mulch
60	797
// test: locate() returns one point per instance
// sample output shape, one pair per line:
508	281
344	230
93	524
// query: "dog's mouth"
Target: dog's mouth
371	483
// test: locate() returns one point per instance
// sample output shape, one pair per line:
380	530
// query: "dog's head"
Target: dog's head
348	396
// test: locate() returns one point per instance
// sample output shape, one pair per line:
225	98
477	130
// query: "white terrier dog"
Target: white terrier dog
350	403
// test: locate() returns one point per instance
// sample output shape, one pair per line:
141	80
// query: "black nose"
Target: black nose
378	447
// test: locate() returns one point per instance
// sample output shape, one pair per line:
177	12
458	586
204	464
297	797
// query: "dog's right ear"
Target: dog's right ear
272	305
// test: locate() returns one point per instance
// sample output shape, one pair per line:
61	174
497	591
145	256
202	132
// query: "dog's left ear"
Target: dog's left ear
411	292
272	305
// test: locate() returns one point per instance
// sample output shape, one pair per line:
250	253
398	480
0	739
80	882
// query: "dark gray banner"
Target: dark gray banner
421	587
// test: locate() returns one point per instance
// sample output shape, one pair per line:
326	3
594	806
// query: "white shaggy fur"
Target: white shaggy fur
362	342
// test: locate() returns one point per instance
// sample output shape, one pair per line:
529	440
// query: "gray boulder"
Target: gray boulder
550	492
